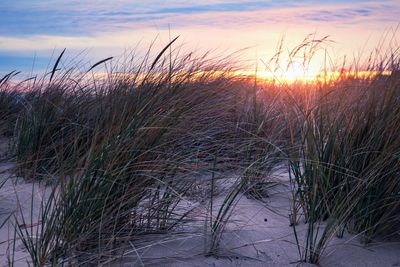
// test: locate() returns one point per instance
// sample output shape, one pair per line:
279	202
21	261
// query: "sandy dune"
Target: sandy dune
258	234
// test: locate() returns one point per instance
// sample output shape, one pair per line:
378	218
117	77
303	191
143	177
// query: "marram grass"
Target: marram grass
118	151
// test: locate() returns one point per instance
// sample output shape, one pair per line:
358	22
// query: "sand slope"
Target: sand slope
258	233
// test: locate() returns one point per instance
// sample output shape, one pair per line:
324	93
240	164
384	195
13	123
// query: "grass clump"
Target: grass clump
345	170
116	148
119	150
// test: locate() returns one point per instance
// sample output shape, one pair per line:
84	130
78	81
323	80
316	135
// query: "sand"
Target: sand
15	201
258	233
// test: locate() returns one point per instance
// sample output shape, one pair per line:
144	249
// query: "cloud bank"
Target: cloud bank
30	26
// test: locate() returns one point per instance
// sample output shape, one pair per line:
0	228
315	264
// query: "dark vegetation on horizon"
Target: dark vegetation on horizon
122	153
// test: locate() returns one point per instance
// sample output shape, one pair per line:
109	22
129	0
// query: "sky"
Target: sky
34	32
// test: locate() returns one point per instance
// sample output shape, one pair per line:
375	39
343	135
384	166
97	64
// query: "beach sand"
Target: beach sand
258	233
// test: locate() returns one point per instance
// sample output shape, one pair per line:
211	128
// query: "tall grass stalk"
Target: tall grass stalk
345	169
118	152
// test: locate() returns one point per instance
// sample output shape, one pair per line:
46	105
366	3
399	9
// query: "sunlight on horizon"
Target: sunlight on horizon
223	27
309	78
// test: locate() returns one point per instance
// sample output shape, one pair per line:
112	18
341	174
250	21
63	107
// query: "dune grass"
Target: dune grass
119	151
345	170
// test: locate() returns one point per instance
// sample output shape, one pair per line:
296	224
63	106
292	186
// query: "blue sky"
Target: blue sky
22	17
38	28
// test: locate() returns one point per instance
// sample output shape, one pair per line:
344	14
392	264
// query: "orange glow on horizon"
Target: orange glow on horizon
298	75
288	77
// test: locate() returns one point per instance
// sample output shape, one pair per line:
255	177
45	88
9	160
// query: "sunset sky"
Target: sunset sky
31	30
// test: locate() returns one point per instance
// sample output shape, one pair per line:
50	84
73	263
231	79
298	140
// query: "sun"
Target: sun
290	74
294	72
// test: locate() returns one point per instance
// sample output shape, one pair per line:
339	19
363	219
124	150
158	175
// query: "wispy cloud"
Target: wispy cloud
78	18
102	25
